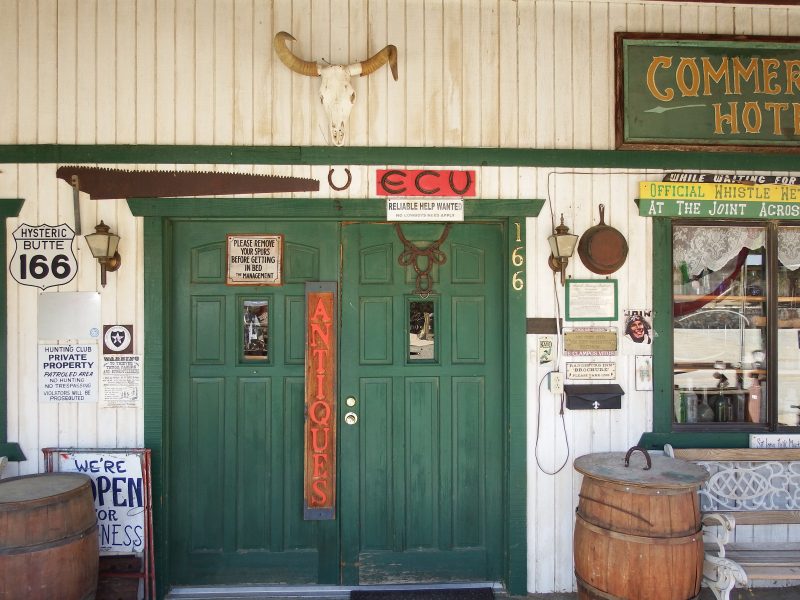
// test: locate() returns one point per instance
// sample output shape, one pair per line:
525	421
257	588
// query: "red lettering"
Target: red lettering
321	354
320	465
317	444
320	324
320	497
320	386
320	413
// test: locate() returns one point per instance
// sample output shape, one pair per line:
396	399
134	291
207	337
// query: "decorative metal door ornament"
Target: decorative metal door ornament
433	256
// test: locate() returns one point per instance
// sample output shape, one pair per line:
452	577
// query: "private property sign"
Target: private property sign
738	92
68	372
719	200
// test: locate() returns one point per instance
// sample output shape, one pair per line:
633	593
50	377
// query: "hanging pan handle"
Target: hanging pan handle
643	451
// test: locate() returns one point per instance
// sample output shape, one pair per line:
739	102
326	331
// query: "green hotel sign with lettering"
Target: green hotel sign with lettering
719	200
734	93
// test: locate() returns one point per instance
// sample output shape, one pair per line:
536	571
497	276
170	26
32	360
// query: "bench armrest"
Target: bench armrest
721	536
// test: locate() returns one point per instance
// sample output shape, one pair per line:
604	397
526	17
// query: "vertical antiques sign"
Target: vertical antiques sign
696	91
320	401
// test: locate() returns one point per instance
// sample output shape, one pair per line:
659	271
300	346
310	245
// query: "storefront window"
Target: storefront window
736	325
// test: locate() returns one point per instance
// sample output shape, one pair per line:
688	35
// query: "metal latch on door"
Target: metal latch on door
350	418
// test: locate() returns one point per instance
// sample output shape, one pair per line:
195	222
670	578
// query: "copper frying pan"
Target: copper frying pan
602	248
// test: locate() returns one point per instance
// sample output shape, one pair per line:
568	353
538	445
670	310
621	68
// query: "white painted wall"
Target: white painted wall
473	73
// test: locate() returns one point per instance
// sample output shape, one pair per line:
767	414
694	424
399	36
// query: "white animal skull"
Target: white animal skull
335	90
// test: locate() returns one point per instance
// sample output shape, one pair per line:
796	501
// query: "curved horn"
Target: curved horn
375	62
298	65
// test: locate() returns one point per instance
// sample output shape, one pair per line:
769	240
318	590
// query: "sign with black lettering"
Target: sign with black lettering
121	378
68	372
255	259
735	92
118	490
43	255
123	500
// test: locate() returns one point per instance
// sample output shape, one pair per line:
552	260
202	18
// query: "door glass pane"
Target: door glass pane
421	336
255	341
789	326
719	321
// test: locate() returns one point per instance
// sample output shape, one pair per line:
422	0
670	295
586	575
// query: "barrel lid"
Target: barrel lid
42	485
665	472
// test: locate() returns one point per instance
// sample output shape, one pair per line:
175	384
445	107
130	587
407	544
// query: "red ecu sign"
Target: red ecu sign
320	390
424	182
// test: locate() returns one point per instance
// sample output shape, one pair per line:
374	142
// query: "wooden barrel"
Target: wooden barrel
637	527
48	538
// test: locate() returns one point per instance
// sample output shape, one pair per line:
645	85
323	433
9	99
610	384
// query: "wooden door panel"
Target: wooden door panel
467	329
376	330
236	422
207	438
422	468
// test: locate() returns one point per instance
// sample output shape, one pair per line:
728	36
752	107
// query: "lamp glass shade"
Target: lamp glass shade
102	244
563	245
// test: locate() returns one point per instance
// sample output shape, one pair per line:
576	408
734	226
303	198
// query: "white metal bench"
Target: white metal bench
747	486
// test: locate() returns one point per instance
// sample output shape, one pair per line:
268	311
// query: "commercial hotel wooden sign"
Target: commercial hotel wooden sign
725	92
320	401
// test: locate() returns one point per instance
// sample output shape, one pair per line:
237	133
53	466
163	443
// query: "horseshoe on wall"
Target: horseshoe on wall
343	187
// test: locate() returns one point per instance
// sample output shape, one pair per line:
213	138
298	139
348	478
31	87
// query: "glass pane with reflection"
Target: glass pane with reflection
720	325
421	342
256	329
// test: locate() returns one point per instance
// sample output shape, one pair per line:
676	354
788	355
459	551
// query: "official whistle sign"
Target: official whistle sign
43	255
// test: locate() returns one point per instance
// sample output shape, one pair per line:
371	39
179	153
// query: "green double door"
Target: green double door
421	405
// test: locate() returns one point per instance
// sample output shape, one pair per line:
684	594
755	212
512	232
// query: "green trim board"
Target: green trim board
516	419
781	160
662	323
354	208
734	92
9	207
656	441
157	241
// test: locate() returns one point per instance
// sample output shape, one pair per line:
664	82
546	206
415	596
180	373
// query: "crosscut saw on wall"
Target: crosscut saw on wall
108	184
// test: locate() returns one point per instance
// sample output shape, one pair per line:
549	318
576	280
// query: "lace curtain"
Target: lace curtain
713	247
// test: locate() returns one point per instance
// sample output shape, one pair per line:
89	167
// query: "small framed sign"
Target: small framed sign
255	259
591	300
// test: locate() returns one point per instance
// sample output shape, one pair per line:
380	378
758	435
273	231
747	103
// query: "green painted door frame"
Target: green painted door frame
158	214
9	207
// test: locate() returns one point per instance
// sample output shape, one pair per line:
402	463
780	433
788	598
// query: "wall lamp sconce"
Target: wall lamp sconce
103	245
562	247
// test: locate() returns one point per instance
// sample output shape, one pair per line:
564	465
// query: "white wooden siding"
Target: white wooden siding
472	73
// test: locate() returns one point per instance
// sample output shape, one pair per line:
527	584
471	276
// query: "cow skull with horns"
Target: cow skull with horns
335	90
